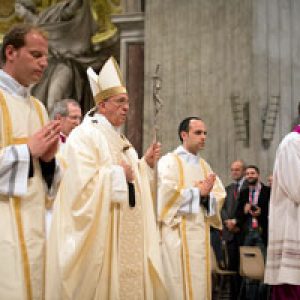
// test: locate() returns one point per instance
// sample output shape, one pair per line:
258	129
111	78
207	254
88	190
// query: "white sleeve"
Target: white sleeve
287	166
212	205
191	203
14	168
119	187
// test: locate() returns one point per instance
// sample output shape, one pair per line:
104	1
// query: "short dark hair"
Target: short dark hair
253	167
16	37
185	125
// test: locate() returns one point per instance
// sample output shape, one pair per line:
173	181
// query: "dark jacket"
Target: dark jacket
243	220
229	208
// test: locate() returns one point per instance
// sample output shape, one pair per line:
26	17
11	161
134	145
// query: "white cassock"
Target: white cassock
283	252
22	199
185	224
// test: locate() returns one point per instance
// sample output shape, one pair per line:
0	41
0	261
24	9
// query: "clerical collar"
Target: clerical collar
63	137
103	120
296	128
240	182
13	87
186	155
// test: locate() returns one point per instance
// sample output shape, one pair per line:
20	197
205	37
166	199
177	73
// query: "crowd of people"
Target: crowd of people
78	214
245	219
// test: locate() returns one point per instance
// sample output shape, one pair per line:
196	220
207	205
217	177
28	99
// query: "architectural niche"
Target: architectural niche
240	112
269	120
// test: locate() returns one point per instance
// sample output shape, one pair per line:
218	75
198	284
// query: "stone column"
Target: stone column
131	28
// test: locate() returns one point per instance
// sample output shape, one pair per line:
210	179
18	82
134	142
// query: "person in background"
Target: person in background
252	220
230	232
68	112
253	210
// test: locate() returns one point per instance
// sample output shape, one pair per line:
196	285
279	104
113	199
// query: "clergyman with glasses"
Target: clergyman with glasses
68	112
103	241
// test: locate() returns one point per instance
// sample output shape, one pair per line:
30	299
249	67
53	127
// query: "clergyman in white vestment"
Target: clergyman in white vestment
27	166
190	198
104	242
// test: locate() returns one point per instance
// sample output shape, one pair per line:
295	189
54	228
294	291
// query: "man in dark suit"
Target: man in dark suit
253	209
230	205
230	231
252	220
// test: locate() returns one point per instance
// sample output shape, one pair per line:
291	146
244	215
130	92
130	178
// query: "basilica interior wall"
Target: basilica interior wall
234	63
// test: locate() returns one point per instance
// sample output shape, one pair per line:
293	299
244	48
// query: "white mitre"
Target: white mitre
108	83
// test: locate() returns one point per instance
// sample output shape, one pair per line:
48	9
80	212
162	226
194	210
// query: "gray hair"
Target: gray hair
61	108
242	162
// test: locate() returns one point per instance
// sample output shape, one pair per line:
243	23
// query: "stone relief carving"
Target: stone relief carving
241	119
72	26
269	120
240	112
7	16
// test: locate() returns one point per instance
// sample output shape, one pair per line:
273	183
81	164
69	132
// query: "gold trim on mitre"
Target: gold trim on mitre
105	94
108	82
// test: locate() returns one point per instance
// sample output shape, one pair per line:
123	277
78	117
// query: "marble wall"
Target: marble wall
212	52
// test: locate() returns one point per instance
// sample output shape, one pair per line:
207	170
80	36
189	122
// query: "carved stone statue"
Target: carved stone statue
70	26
